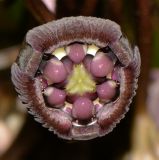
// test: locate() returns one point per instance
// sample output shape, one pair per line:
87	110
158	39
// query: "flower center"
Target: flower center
80	81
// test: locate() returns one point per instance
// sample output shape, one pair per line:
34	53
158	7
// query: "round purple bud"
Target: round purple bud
54	71
82	109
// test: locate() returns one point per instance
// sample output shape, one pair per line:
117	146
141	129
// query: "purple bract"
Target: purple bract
77	76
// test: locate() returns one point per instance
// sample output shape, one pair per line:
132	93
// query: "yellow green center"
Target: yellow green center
80	81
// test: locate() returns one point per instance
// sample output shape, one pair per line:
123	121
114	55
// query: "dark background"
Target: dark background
139	23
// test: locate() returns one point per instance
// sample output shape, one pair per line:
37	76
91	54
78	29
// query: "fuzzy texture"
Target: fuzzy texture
50	36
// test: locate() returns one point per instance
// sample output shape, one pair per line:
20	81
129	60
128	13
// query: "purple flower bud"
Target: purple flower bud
84	105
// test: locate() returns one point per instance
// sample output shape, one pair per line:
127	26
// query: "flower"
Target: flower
77	93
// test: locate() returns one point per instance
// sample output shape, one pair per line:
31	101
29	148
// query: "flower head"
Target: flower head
77	76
